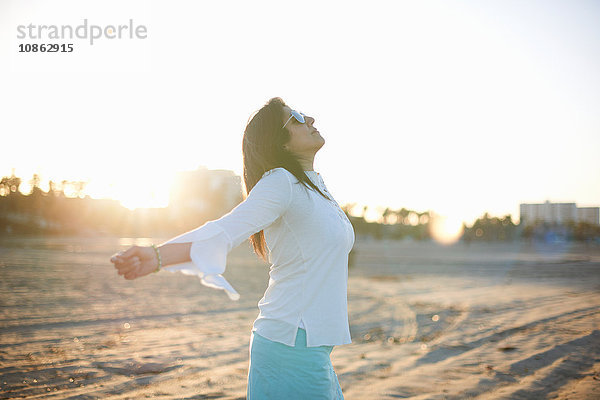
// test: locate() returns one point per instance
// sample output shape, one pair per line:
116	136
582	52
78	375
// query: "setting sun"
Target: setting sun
147	190
445	229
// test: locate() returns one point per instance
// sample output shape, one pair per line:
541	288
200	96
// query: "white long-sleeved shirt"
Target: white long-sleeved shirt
309	239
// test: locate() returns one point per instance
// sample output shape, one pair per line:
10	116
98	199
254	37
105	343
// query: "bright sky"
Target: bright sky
456	107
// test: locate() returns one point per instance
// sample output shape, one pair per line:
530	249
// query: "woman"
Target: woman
294	223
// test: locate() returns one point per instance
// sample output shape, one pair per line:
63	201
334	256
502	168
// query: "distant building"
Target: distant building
208	192
588	214
560	213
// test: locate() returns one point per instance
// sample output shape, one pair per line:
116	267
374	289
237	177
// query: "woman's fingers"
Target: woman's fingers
133	273
130	252
130	275
125	255
129	262
125	262
124	267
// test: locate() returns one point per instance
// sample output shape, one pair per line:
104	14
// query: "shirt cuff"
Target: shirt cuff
208	253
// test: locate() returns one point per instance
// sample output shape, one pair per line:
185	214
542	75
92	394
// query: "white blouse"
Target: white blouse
308	238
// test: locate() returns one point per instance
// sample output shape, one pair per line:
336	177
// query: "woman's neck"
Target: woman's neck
306	162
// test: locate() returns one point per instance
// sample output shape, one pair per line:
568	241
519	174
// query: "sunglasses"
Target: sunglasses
298	115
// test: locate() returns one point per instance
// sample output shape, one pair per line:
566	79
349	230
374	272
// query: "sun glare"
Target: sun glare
143	191
142	199
445	229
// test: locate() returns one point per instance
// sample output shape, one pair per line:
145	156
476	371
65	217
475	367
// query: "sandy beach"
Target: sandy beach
478	321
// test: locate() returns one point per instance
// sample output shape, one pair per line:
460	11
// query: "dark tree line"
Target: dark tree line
53	212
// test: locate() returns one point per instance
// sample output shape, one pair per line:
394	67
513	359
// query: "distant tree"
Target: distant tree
35	185
403	215
79	187
63	185
4	186
11	183
52	188
385	215
492	228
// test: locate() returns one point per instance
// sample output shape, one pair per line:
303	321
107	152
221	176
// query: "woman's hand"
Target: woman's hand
135	262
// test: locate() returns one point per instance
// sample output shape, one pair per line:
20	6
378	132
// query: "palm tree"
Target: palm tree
402	215
11	183
35	185
386	213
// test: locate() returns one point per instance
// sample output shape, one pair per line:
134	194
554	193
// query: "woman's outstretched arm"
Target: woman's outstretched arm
138	261
203	251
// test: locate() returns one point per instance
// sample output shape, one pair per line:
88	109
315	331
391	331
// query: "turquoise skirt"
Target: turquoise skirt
282	372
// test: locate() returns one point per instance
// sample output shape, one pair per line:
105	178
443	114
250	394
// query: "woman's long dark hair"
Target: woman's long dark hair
263	150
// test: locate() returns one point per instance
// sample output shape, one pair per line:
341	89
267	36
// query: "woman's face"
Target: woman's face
305	139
